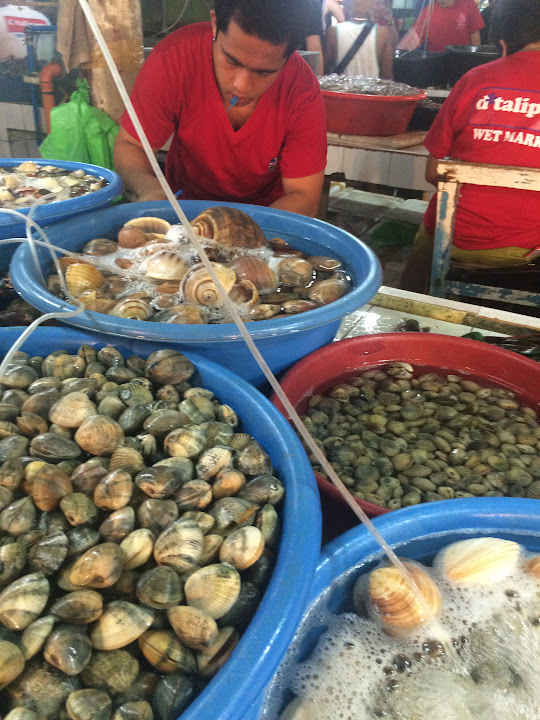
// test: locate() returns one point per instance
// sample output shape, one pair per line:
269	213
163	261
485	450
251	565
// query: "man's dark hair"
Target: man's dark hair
276	21
517	22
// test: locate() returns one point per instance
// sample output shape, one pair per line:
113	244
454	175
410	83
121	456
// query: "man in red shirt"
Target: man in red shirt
244	110
491	116
445	22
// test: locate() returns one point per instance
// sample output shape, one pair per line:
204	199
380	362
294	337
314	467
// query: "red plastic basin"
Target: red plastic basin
321	370
354	114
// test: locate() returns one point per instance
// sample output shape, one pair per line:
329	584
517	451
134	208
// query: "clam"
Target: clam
81	539
54	447
81	277
134	393
264	311
295	271
256	271
62	365
263	489
128	459
322	263
162	421
231	513
160	588
324	292
242	547
11	662
18	517
87	475
293	307
392	601
267	521
478	561
120	624
22	713
12	561
149	225
68	649
196	629
187	315
23	600
253	460
213	589
31	424
156	515
137	548
114	490
211	659
49	486
131	237
168	367
99	247
113	671
18	376
179	545
243	610
217	433
198	409
99	567
165	265
165	652
185	442
6	496
79	607
197	287
135	710
158	482
171	696
43	689
88	704
131	308
211	545
48	554
78	508
99	435
230	227
34	636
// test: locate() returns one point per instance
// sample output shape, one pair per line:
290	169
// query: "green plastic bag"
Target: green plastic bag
80	132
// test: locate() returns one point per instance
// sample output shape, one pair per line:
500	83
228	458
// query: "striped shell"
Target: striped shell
256	270
230	227
197	288
81	277
478	561
132	308
150	225
166	265
187	315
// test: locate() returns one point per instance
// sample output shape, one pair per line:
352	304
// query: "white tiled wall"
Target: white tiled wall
18	117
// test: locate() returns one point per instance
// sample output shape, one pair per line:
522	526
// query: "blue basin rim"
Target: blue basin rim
71	233
268	636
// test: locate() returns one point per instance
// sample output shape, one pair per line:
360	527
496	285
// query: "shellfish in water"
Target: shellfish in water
166	265
478	561
257	271
230	227
392	601
197	287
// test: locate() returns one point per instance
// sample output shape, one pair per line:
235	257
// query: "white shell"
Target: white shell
478	561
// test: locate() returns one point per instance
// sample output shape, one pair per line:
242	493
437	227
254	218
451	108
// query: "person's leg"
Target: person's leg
417	272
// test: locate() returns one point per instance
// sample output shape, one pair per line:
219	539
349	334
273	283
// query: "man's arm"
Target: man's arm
131	163
313	43
335	9
431	170
386	54
330	53
475	38
302	195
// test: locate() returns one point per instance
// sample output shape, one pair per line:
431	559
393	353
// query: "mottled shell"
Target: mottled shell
295	271
11	662
160	588
137	547
72	409
242	548
35	635
88	704
211	659
168	367
79	607
114	490
68	649
264	311
257	271
213	589
327	291
131	308
23	600
212	461
150	225
113	671
99	567
12	561
99	247
81	277
179	545
165	265
197	287
230	227
187	315
120	624
165	652
99	435
478	561
195	629
392	601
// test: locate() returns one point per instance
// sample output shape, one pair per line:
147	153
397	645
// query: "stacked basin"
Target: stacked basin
266	639
282	341
52	212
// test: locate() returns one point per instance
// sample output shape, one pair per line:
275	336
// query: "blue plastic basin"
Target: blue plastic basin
50	213
282	341
416	532
266	639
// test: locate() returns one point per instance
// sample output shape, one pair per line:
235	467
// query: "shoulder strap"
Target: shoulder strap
355	47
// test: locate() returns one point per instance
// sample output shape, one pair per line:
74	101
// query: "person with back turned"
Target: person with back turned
245	111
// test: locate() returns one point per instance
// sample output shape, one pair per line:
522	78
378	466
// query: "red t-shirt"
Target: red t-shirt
492	116
176	94
449	25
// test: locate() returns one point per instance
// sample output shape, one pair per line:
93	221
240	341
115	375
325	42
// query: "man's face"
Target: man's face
244	65
446	3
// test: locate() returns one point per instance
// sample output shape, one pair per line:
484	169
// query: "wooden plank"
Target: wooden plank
366	142
456	171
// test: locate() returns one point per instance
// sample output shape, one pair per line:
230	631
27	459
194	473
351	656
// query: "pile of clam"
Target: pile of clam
398	437
152	272
137	534
22	185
